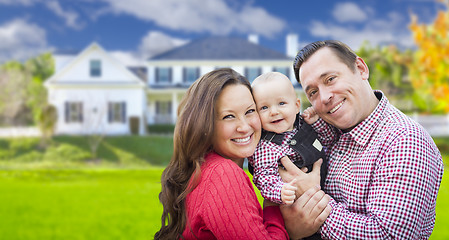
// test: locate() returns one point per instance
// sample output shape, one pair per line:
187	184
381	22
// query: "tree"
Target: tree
388	72
22	94
14	79
47	121
428	71
40	68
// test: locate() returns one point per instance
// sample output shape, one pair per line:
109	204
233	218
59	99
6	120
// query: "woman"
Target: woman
205	193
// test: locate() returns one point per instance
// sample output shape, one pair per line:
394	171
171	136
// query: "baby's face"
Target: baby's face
277	105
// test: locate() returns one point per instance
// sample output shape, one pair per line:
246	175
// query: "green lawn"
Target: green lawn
441	230
102	204
79	204
111	200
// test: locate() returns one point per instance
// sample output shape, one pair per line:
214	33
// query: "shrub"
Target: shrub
32	156
161	128
66	152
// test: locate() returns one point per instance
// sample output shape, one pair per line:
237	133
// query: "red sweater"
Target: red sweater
225	206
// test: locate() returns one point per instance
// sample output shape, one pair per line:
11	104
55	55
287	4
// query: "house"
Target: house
94	93
172	72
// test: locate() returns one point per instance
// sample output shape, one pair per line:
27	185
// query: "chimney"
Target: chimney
291	47
253	38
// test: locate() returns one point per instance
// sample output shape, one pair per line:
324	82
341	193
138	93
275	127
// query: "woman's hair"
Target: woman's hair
192	140
346	55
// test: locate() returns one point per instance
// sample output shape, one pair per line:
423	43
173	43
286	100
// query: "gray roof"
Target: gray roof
221	48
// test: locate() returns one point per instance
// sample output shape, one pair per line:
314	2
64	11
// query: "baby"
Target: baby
285	133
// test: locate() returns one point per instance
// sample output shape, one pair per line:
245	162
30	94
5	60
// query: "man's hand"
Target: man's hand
304	181
305	216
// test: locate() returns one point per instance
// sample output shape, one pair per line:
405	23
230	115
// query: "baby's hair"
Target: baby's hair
269	76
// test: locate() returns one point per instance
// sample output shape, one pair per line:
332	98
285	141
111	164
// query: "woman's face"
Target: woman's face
236	123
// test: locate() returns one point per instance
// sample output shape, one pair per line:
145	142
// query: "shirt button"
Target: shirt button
293	142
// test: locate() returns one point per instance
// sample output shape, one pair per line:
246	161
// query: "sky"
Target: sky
134	30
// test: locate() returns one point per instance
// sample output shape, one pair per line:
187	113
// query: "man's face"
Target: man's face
338	94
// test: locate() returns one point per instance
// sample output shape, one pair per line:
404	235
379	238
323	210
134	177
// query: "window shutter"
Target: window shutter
123	112
109	112
156	73
80	115
184	75
66	112
170	75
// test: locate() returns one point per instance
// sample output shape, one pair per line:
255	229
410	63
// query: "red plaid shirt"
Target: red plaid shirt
383	177
265	161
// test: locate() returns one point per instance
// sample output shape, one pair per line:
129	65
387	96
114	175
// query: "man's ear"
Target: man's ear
362	68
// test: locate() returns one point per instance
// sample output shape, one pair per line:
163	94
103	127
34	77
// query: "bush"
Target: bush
66	152
32	156
161	128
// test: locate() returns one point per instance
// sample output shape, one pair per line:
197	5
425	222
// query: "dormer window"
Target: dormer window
95	68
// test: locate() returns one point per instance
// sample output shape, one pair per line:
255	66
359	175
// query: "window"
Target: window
163	112
116	112
73	112
283	70
252	72
191	74
95	68
163	75
163	107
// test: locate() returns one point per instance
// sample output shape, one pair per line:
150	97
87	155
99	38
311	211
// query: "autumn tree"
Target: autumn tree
388	72
428	70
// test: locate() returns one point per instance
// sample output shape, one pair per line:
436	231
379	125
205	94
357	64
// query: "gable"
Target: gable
78	70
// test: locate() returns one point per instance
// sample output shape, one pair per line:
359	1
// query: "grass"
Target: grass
112	200
79	204
102	204
441	230
74	151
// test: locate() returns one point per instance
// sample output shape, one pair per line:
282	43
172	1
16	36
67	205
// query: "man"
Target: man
384	170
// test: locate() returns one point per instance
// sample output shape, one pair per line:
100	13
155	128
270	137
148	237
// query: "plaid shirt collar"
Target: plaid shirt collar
363	131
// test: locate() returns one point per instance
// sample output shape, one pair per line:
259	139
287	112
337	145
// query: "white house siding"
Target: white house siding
73	82
79	71
95	109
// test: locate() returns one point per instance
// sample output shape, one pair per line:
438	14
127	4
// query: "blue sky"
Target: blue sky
133	30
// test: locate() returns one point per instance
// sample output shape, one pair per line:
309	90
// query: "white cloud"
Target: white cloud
157	42
356	27
213	16
373	32
152	44
21	40
17	2
71	17
349	12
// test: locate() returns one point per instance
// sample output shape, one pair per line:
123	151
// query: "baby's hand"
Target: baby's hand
288	191
310	115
